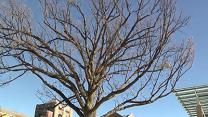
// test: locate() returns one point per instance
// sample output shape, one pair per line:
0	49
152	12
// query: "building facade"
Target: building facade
52	109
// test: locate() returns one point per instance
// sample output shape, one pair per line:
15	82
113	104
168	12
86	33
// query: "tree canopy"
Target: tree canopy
89	52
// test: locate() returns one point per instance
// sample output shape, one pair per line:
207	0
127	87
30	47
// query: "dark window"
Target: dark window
59	115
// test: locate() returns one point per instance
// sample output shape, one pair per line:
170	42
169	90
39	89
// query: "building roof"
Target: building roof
115	115
192	96
118	115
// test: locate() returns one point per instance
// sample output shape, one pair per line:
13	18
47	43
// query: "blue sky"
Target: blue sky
20	95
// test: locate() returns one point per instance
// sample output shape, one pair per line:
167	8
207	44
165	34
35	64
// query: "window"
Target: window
59	115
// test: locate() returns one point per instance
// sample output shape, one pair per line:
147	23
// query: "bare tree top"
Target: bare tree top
91	52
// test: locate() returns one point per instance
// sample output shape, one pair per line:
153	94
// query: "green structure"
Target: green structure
194	100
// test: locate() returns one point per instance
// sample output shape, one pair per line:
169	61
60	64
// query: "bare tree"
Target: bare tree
90	52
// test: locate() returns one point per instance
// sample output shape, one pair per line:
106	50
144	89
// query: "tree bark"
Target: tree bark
93	114
90	114
91	105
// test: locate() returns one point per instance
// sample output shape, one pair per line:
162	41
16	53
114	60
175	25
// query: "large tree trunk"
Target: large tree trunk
92	114
90	106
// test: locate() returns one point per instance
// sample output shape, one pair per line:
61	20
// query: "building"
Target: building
118	115
131	115
115	115
9	113
52	109
194	100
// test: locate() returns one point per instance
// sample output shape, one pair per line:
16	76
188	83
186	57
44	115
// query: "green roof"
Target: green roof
192	96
